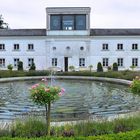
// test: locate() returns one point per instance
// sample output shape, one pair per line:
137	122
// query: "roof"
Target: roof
115	32
93	32
22	32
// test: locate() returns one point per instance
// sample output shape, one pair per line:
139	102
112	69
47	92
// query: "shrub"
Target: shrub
20	66
99	67
109	68
132	67
31	127
33	67
90	67
115	67
135	86
10	67
71	68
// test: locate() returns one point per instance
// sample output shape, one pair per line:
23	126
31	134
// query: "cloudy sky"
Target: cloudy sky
104	13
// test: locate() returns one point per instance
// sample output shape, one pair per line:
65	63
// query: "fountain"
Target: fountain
82	100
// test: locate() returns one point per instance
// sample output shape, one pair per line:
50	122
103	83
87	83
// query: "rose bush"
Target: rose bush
44	94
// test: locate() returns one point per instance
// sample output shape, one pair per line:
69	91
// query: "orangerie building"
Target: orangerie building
67	41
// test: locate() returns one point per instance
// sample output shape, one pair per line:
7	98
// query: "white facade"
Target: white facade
60	49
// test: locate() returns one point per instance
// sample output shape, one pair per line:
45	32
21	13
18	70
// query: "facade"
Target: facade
69	41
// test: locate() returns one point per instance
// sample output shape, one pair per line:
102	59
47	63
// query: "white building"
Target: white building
69	41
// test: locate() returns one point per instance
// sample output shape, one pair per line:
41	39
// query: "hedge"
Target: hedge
132	135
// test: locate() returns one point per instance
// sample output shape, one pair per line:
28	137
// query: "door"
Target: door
66	63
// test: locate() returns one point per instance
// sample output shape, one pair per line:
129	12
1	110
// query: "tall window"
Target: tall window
105	47
2	47
16	47
80	22
120	62
119	46
134	46
30	61
2	62
30	47
68	22
55	22
81	62
105	62
16	60
54	61
135	62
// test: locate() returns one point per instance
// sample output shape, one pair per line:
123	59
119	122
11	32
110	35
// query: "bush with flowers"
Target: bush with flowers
43	94
135	85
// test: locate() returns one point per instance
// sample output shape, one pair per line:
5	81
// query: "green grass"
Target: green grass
34	127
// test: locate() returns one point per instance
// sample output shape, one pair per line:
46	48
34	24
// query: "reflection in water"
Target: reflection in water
83	99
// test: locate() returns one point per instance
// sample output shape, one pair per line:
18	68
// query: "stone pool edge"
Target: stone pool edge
101	79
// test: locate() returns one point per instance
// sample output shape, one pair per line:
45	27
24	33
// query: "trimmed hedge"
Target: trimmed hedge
7	73
128	75
132	135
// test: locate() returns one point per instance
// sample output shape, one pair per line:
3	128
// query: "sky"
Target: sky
24	14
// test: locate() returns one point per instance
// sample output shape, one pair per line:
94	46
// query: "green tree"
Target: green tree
3	25
115	66
99	67
20	65
44	94
33	67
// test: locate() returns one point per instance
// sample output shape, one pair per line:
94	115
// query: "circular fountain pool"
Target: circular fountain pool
82	100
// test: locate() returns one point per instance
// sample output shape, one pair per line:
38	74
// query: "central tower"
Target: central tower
68	20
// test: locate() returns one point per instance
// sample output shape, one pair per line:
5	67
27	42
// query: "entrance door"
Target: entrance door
66	63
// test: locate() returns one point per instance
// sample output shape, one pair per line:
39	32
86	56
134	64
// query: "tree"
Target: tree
3	25
90	67
33	67
45	95
20	65
115	66
99	67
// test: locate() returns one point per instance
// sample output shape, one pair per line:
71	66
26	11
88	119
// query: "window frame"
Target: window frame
16	47
2	47
105	62
105	46
82	62
120	62
30	61
120	47
54	62
30	47
2	62
135	62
